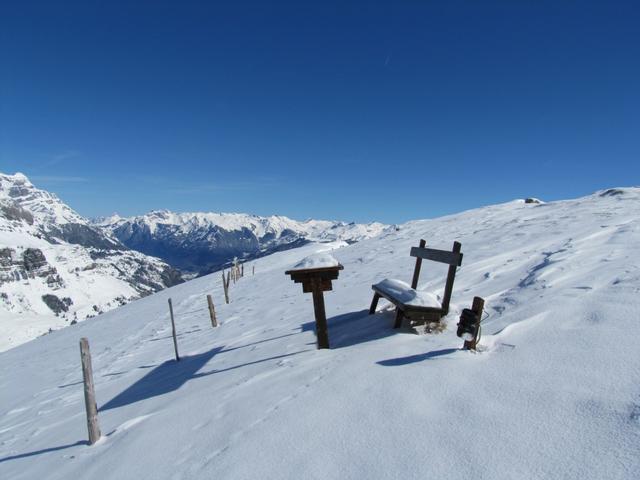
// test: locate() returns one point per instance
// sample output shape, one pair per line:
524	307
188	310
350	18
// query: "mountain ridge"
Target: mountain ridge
202	242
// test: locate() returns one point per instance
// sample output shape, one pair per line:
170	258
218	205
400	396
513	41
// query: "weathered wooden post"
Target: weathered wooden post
416	270
173	329
469	324
212	311
225	287
451	275
317	280
89	392
477	307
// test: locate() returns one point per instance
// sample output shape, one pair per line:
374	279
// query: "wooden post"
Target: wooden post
242	270
416	271
89	392
448	288
253	270
322	332
225	286
173	328
477	307
212	312
399	316
374	304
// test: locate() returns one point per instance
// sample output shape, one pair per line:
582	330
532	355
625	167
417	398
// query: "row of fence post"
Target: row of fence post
85	354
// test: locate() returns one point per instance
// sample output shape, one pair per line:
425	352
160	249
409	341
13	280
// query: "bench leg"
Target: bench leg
374	304
399	315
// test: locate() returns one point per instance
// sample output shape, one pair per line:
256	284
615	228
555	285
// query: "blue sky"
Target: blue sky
345	110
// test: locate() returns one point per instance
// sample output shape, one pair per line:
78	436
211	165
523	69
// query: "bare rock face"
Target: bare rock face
15	213
56	304
6	257
33	259
532	200
29	264
612	192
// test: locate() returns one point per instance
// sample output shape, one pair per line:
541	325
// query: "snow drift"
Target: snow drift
554	391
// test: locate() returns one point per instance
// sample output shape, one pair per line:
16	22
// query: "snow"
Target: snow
190	222
403	292
317	260
554	391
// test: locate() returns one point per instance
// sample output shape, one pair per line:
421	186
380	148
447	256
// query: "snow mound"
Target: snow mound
317	260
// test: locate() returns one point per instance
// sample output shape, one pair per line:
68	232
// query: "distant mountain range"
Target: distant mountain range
57	267
199	243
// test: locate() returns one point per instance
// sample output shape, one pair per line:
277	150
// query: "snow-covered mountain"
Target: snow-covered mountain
55	267
553	392
203	242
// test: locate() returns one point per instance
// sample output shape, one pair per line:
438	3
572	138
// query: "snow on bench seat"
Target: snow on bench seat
403	293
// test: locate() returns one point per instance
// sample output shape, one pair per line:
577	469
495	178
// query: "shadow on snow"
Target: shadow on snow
396	362
44	450
354	327
171	375
164	378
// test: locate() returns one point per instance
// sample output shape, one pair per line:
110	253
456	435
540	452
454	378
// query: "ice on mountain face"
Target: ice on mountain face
317	260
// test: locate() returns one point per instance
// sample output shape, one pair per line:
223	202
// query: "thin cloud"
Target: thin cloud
58	179
61	157
202	188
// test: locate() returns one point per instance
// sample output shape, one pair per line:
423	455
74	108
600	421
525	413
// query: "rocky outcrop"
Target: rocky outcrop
33	259
56	304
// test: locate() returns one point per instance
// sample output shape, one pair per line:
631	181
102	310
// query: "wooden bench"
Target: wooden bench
418	306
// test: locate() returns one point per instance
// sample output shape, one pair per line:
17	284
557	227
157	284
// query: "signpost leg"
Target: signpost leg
321	317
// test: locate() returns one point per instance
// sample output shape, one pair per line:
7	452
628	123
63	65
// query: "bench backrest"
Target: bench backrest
453	258
442	256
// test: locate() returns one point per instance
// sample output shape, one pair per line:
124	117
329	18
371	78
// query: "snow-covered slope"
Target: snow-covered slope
55	267
204	242
553	393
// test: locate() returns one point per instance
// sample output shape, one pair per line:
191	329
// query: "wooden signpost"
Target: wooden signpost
317	281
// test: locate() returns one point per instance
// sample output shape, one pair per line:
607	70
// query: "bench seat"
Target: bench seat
400	293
